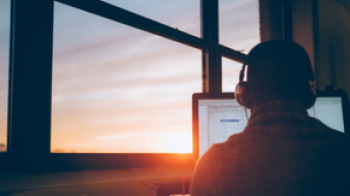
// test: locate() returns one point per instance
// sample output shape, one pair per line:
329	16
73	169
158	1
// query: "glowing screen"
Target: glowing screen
218	119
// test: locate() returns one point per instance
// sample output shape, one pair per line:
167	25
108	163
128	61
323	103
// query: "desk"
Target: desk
133	182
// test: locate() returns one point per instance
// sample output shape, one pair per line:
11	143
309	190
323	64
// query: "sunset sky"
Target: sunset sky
4	56
120	89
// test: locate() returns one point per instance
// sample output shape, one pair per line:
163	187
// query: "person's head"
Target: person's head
277	70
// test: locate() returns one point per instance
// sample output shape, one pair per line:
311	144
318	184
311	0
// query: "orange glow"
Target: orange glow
167	142
125	92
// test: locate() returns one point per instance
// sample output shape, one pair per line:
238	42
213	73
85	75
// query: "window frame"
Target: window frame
30	84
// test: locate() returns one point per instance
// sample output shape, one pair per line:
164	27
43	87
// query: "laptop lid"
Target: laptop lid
216	116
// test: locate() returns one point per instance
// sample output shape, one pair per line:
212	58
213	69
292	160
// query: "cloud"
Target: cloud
110	79
239	24
116	88
125	142
181	14
161	72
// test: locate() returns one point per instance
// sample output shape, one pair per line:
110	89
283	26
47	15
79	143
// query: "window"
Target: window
239	29
4	61
117	89
120	81
239	24
230	72
181	14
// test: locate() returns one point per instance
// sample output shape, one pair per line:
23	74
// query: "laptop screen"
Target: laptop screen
218	116
329	110
217	120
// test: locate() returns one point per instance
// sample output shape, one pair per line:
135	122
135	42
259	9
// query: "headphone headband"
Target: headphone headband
241	73
271	48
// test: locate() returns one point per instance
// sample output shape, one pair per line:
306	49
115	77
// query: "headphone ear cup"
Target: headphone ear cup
242	94
310	99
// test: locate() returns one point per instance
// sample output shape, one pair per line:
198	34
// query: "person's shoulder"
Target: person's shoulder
332	138
207	172
214	152
329	132
219	152
318	128
340	137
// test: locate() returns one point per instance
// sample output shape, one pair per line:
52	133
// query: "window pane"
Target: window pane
239	24
4	62
119	89
230	74
181	14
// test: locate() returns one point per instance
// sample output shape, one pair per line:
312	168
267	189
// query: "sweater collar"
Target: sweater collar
282	118
285	106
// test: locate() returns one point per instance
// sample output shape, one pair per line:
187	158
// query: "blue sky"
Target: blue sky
119	89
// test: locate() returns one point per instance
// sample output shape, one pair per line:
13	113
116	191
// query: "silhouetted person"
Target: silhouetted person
282	151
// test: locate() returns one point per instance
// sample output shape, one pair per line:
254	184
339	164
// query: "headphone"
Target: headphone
241	91
243	97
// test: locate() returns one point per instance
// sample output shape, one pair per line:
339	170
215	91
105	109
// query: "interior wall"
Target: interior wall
334	44
322	27
303	27
270	18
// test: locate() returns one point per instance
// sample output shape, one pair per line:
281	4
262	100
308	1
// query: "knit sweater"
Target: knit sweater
282	151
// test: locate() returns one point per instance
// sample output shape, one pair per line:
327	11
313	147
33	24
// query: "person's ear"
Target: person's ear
310	99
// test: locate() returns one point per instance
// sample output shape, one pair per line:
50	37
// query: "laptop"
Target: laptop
217	116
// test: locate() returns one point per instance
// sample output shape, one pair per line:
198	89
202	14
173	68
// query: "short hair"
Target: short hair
278	70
